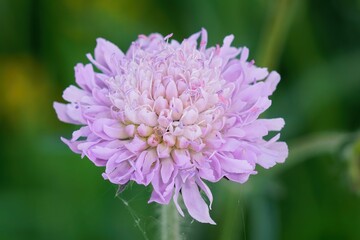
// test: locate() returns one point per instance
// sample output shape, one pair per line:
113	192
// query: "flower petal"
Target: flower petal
232	165
60	109
273	153
178	185
194	203
167	168
74	94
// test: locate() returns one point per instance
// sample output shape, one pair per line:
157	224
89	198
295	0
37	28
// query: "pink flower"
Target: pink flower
172	115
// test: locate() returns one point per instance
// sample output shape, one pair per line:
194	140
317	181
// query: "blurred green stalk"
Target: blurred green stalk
281	15
170	222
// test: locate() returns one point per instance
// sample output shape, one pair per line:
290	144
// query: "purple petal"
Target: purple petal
178	186
180	156
84	76
150	159
167	168
137	144
72	145
273	153
244	54
239	177
60	109
232	165
204	39
227	51
74	94
103	152
232	72
74	112
107	55
274	124
62	113
162	191
97	127
118	169
255	130
230	145
271	82
116	130
82	132
206	190
194	203
145	165
95	112
98	65
101	96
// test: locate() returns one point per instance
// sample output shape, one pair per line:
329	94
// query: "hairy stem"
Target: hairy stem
170	222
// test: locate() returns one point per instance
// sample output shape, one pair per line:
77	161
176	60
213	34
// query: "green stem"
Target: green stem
170	222
275	31
232	225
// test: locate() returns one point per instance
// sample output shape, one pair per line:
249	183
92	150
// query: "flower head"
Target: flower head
172	115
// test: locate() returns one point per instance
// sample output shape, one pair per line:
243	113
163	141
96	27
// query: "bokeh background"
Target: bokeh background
47	192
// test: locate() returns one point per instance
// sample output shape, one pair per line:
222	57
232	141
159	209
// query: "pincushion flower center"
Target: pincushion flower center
173	99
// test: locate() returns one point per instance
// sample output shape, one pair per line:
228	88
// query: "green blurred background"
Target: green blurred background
47	192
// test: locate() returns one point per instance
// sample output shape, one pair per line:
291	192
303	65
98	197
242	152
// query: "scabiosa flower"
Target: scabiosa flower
172	115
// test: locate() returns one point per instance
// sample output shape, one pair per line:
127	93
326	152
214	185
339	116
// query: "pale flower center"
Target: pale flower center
173	98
